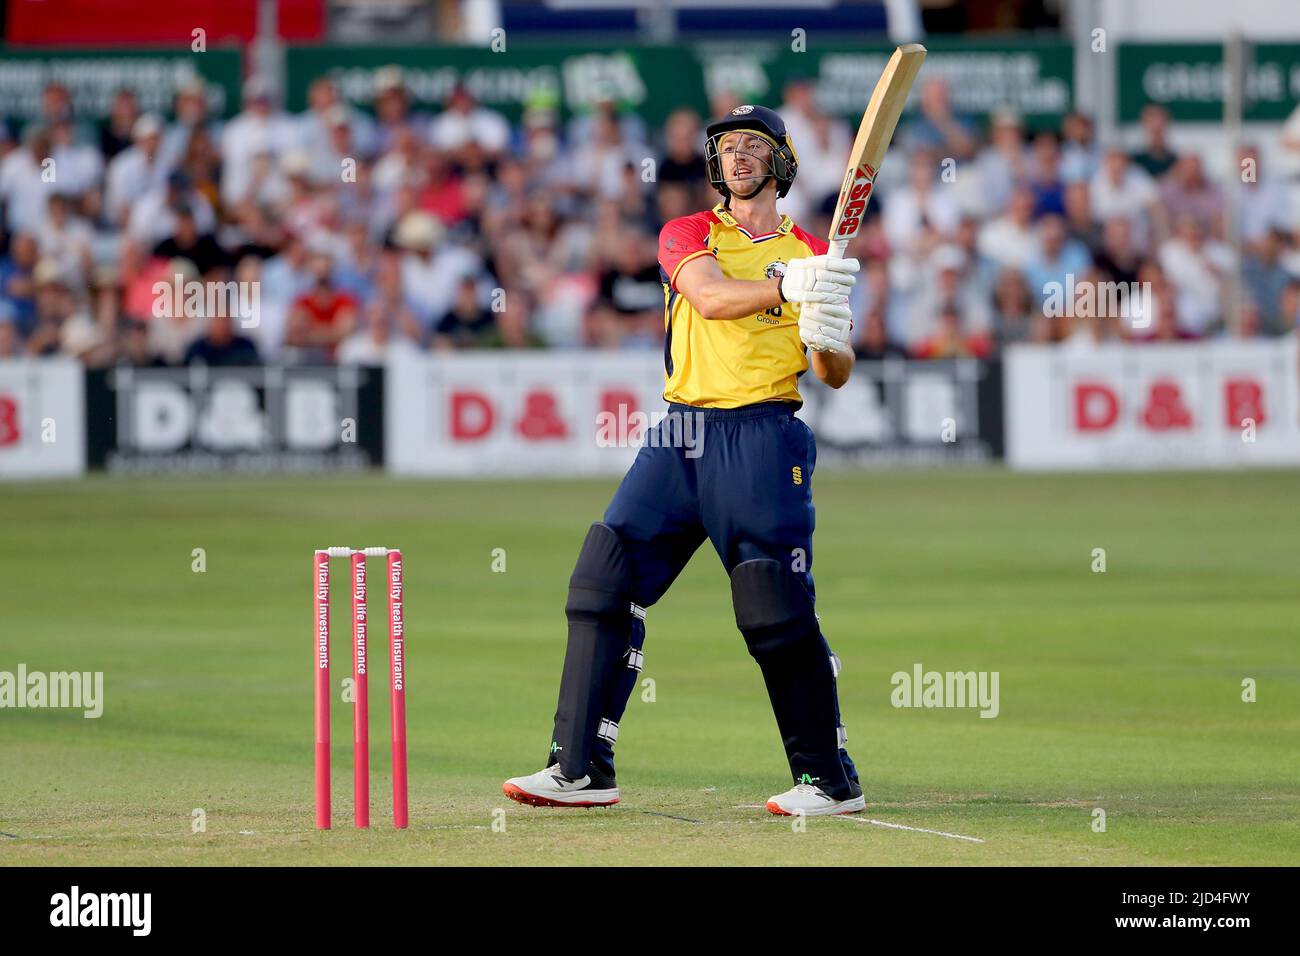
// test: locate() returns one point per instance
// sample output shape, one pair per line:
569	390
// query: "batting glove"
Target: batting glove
825	326
819	279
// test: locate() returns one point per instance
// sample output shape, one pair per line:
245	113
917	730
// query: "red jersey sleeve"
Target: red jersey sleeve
682	240
818	246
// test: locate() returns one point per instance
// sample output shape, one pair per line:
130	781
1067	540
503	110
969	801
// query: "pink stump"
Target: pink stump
397	673
321	669
361	704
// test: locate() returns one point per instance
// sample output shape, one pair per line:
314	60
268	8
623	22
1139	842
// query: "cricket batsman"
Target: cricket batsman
751	301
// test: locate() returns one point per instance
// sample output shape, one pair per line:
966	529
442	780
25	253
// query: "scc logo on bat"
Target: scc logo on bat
857	189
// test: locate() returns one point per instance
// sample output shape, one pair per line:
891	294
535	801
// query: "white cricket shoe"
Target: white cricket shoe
551	788
813	802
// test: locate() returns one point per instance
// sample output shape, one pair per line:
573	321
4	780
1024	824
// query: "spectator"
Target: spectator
323	316
683	161
393	109
443	189
920	214
630	308
1197	266
1290	303
471	135
586	129
873	341
1080	157
192	118
402	163
1155	157
115	131
55	309
1018	314
1166	327
1264	201
284	278
257	132
66	238
1045	176
374	342
186	242
172	327
1002	165
938	129
221	346
134	350
467	324
1265	281
79	165
22	183
1185	192
17	280
1119	188
819	139
331	130
1057	260
598	166
951	340
136	171
513	321
1010	240
431	270
950	286
11	343
1078	214
1118	259
156	215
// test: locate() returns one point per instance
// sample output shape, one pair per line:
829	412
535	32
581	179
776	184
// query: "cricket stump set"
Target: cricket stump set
361	704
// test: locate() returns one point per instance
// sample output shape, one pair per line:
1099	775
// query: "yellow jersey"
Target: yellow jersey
726	363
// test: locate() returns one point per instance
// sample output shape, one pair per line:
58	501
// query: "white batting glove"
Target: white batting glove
819	279
825	326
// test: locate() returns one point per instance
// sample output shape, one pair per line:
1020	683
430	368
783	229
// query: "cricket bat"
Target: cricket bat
877	129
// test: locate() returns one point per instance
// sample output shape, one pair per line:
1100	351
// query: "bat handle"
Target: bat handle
838	248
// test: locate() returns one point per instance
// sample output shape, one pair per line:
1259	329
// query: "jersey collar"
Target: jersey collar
727	219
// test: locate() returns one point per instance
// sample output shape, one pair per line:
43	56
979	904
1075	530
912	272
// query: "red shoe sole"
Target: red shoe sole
520	795
772	807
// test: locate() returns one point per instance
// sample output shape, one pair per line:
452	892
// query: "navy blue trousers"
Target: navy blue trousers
740	477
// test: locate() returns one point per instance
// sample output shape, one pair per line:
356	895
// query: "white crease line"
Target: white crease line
880	823
185	834
900	826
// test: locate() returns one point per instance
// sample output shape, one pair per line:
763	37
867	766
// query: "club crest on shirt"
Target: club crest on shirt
775	270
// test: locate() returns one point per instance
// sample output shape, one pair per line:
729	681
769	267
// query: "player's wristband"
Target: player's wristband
779	280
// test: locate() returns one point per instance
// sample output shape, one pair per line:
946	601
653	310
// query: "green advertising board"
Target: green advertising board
1188	80
1035	78
94	76
649	80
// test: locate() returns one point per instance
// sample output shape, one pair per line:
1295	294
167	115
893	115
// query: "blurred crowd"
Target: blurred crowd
341	235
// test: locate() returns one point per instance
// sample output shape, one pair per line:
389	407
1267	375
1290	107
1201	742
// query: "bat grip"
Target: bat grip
838	248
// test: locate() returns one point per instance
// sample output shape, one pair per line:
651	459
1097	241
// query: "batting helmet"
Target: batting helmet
760	121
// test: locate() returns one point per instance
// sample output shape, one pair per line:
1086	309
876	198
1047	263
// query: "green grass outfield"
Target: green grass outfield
1119	691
